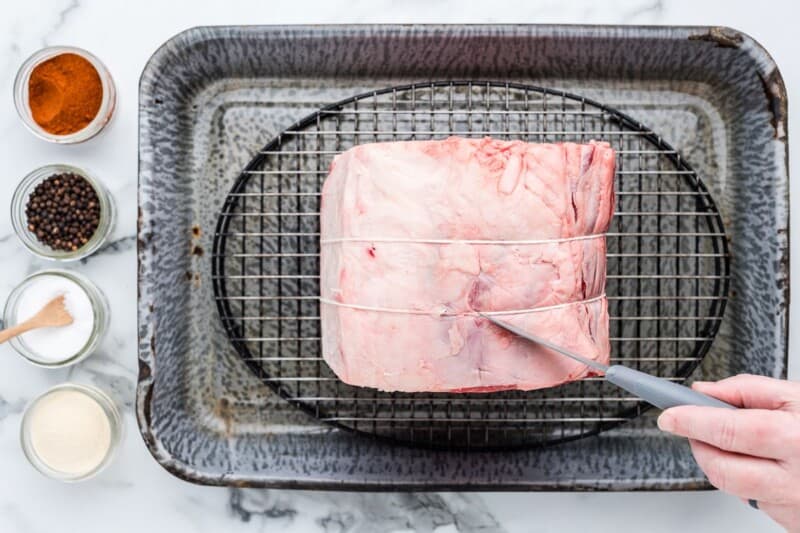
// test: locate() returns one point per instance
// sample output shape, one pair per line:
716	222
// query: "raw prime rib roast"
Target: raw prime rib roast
417	236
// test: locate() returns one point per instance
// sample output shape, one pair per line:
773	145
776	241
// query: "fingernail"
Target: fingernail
666	422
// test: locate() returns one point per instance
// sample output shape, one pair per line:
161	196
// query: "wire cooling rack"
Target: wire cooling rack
668	264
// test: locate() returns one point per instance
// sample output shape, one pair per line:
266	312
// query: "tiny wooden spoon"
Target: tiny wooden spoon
52	315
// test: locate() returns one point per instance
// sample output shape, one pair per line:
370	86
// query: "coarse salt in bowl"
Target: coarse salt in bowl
60	346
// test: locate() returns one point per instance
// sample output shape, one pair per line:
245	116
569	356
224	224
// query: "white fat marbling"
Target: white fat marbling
136	494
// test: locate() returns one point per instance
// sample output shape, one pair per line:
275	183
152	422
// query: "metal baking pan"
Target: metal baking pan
211	98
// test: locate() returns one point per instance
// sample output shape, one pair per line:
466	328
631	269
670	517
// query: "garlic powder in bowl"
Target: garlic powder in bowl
70	432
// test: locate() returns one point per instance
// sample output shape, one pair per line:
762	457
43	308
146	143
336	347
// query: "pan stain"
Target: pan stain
196	231
777	106
222	410
722	37
775	91
784	277
188	275
144	374
198	251
140	250
144	371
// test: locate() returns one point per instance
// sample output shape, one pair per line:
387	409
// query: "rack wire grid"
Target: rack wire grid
668	264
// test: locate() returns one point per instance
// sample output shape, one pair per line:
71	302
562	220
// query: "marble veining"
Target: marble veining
364	512
115	246
10	408
135	493
62	18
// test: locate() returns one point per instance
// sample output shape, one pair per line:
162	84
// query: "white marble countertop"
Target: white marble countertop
135	492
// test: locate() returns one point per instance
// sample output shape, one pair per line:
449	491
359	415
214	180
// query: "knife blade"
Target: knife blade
654	390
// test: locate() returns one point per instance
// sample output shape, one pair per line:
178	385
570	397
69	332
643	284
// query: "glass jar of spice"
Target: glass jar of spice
71	432
64	94
67	345
104	211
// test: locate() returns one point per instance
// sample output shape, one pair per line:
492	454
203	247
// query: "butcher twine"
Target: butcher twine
471	313
457	241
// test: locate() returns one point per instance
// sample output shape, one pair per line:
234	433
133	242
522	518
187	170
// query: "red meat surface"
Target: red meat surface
417	236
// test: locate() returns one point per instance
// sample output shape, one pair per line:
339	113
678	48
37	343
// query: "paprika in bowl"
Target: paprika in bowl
64	94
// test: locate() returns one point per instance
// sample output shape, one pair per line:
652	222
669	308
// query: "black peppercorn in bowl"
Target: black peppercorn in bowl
62	213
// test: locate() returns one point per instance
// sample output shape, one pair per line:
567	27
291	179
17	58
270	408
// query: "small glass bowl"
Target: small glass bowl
114	422
21	99
20	221
101	318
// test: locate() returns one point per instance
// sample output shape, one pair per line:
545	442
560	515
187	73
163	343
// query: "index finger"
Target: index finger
753	432
755	392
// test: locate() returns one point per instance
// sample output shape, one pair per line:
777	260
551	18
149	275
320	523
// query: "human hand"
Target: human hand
753	453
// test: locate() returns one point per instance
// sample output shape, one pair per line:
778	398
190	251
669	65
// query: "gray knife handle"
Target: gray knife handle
658	391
